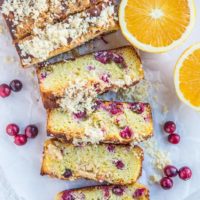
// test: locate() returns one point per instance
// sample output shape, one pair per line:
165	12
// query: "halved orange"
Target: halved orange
156	25
187	77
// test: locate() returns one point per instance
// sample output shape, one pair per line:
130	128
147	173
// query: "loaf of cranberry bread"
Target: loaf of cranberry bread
114	164
64	36
110	122
113	192
81	80
23	16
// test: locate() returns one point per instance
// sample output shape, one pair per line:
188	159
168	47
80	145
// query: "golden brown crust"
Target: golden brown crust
90	188
45	171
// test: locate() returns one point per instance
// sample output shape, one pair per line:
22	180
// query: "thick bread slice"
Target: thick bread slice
129	192
39	14
115	164
87	73
111	122
68	34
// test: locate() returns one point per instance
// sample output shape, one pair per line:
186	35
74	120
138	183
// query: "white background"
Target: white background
20	166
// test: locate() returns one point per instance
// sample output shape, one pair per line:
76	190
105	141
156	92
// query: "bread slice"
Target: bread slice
115	164
87	74
112	192
111	122
39	14
68	34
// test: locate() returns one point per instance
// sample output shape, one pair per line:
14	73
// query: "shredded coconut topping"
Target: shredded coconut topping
55	36
79	98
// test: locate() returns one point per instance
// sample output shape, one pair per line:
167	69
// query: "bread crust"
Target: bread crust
51	15
90	188
85	175
50	100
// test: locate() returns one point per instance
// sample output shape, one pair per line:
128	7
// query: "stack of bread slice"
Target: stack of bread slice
92	138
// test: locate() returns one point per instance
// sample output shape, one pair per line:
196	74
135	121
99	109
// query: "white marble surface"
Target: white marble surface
20	166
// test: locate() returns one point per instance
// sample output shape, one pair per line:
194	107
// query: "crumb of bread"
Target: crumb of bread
1	29
154	179
9	59
159	157
165	109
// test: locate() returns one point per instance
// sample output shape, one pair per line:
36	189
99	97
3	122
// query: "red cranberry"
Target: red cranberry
137	107
111	148
67	196
119	164
80	115
118	190
105	78
115	108
12	129
170	171
20	140
169	127
31	131
16	85
106	191
185	173
67	173
90	68
103	56
126	133
117	58
43	75
166	183
139	192
4	90
174	138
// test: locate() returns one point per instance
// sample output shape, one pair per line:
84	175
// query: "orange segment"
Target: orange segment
156	25
187	76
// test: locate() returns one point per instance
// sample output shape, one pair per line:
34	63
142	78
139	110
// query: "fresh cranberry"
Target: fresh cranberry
67	173
117	58
31	131
170	171
16	85
20	140
169	127
12	129
118	190
137	107
126	133
80	115
166	183
115	108
139	192
103	56
105	78
67	196
174	138
43	75
106	191
185	173
111	148
119	164
4	90
90	68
